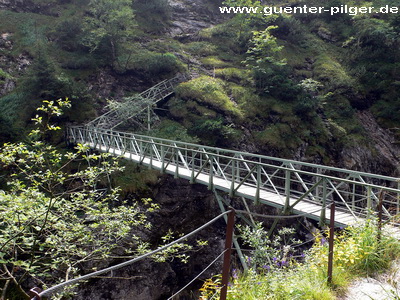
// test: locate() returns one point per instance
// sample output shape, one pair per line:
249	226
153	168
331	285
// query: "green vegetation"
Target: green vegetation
275	274
107	25
209	91
60	213
54	214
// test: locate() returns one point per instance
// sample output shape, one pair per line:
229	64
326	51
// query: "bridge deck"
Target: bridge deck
313	210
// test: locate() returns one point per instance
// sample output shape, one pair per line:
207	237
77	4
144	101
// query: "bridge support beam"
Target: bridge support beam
323	210
235	242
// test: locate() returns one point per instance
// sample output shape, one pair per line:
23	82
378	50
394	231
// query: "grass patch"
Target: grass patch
357	252
242	76
213	62
4	75
156	65
209	91
201	48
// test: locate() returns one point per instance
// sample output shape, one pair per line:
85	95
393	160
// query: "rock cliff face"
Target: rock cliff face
190	16
27	6
383	154
184	207
13	66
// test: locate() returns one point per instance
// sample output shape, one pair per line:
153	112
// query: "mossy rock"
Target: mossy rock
279	137
201	48
242	76
332	74
210	91
135	179
194	107
213	62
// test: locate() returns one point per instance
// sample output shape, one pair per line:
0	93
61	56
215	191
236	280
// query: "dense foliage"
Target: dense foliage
58	213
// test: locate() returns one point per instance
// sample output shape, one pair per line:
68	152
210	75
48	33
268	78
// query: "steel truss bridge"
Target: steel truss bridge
137	109
292	186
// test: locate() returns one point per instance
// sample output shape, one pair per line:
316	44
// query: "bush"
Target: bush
155	65
305	106
169	129
68	34
332	74
214	132
275	82
163	64
357	250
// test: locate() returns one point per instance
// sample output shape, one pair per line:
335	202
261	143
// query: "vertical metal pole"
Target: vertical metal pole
148	118
318	188
211	182
141	149
162	159
398	198
238	170
177	163
323	211
227	254
369	204
287	189
331	239
151	155
380	204
235	242
353	197
258	184
193	164
231	192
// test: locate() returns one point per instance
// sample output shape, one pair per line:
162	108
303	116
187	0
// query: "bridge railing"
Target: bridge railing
253	176
135	105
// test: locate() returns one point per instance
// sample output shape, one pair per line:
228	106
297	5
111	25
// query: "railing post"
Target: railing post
398	199
227	254
369	202
177	163
148	118
257	196
232	190
141	150
380	205
323	211
318	188
331	240
162	159
211	179
287	189
193	165
151	155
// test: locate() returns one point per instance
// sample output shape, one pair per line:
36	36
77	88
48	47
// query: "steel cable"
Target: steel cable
129	262
205	269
